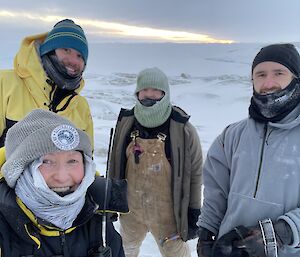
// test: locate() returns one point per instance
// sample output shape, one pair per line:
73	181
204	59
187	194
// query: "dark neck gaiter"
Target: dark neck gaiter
275	106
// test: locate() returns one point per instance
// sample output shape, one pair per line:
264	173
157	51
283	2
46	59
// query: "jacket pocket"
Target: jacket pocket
247	211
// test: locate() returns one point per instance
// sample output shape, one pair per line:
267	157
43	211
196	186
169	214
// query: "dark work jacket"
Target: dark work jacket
19	237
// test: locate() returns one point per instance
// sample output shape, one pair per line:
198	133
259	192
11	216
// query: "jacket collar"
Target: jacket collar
290	121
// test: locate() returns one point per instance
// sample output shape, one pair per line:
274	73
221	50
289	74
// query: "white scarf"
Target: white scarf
33	191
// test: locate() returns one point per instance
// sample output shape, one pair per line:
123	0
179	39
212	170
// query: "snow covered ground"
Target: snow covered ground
211	82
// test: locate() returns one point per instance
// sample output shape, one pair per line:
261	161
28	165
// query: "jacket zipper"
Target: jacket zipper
64	246
261	159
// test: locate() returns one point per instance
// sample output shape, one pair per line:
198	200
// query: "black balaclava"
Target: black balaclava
275	106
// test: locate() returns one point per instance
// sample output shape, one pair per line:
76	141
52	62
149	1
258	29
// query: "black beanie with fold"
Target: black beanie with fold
285	54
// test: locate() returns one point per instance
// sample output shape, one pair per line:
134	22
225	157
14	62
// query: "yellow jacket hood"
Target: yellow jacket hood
27	62
25	88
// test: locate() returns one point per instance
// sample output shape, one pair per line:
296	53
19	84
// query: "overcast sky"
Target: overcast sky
236	20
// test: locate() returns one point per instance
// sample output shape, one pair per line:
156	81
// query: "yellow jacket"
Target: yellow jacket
25	88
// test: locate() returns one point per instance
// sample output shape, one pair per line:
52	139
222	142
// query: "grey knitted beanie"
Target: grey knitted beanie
152	78
39	133
156	115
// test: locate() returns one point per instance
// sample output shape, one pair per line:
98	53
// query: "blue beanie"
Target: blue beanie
66	34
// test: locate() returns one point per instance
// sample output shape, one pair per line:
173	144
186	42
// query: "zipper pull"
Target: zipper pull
137	150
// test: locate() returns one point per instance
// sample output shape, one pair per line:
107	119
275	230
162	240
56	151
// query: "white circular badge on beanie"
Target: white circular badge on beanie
65	137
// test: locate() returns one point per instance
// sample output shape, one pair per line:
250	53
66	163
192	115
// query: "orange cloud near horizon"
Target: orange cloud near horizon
122	30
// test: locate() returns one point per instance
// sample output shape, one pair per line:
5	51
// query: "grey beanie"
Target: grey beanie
152	78
39	133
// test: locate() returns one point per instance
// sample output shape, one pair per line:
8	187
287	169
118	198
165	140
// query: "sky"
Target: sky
195	21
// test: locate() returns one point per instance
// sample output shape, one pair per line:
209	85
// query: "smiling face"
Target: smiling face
270	77
71	59
62	171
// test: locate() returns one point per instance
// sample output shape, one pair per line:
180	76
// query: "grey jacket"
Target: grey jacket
252	172
186	164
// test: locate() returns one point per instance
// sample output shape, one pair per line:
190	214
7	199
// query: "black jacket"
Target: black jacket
19	237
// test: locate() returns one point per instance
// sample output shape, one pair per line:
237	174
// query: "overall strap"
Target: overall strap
137	148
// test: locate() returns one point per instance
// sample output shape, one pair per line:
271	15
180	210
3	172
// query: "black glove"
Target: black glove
225	245
248	241
205	242
116	197
193	215
252	242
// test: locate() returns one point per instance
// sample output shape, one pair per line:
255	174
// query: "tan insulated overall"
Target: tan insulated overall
150	200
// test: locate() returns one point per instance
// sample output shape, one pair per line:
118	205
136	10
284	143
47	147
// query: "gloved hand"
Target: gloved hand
248	241
225	245
193	215
252	242
116	197
205	242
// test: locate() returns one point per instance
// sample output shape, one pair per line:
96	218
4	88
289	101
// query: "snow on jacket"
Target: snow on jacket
252	172
24	235
186	162
25	88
